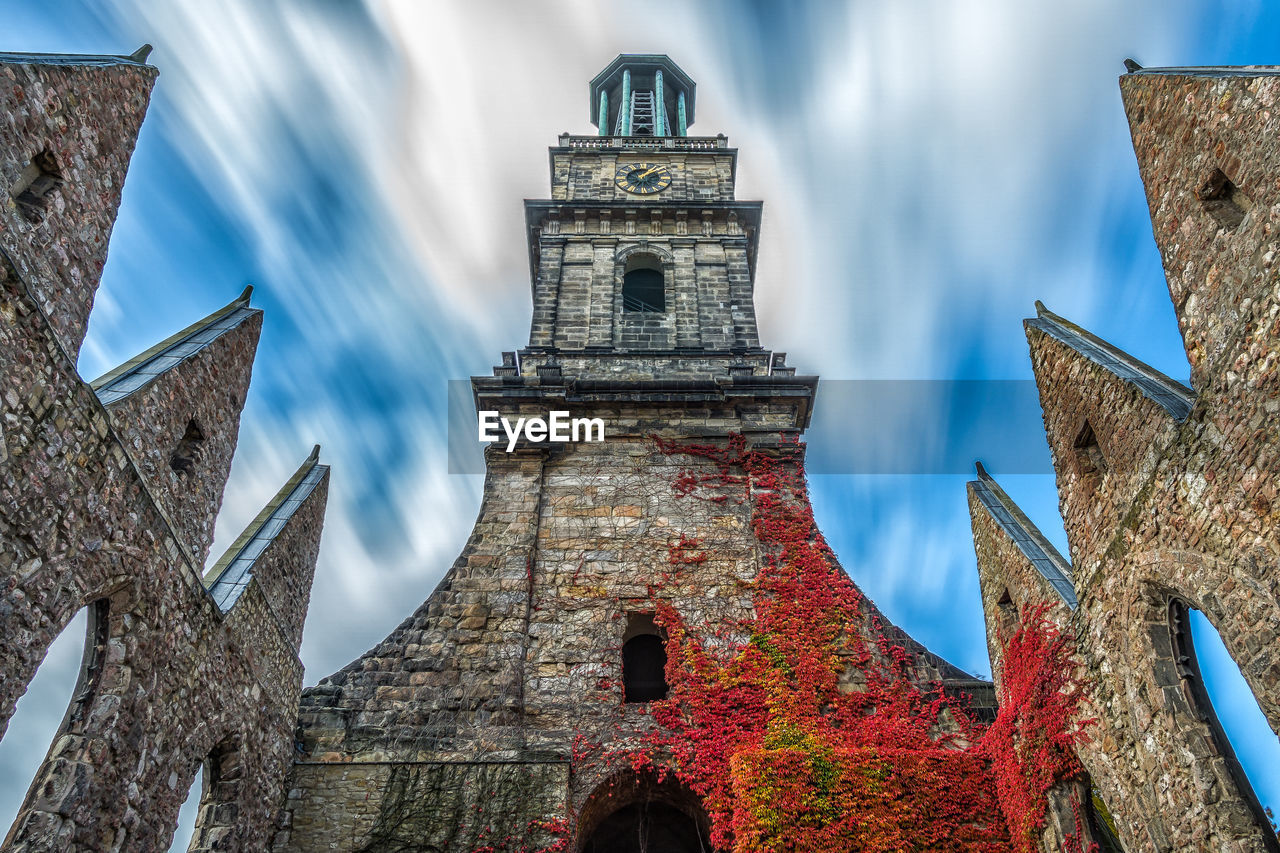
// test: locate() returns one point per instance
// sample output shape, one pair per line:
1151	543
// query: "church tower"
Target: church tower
519	706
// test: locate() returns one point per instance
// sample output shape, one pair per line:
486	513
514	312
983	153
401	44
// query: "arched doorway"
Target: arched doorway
635	812
647	827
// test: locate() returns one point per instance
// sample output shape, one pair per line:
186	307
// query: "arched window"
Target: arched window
643	288
644	660
187	814
35	723
1243	724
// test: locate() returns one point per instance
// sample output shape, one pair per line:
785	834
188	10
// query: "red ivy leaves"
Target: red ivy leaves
804	729
1031	745
557	829
810	735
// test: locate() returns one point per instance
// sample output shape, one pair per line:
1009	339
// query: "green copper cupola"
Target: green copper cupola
642	95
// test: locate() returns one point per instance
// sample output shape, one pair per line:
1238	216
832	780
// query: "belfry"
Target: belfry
518	707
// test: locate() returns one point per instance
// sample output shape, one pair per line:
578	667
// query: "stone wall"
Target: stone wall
697	176
84	113
517	655
707	257
90	518
1205	141
206	390
1173	504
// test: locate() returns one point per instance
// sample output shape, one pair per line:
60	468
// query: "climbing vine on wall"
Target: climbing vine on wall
1031	745
803	728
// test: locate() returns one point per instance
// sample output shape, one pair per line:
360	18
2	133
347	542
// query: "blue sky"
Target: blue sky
928	171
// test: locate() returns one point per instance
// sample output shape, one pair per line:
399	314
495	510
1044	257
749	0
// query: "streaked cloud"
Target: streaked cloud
928	171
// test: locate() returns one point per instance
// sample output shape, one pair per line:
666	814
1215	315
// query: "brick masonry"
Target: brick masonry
1170	505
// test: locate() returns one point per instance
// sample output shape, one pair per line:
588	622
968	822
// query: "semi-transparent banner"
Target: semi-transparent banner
859	426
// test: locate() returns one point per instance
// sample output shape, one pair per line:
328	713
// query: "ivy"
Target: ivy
805	728
783	755
1031	745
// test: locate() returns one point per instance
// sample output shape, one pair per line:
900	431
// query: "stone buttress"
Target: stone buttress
1168	493
108	495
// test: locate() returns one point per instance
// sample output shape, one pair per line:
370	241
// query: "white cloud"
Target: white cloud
933	170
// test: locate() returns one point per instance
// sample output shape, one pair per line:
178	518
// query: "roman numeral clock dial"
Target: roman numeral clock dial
643	178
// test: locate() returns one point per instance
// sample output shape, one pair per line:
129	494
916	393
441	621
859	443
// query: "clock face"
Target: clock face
643	178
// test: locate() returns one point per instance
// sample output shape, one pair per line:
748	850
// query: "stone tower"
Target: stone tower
499	714
1168	493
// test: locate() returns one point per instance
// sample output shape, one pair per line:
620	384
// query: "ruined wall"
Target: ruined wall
170	680
84	113
1181	511
207	391
1205	142
79	526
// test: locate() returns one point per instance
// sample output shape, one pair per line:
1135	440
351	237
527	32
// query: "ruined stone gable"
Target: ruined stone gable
1167	492
108	495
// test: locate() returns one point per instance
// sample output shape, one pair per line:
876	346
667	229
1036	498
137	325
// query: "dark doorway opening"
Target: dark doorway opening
648	827
637	812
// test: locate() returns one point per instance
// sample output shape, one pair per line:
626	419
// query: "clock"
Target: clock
643	178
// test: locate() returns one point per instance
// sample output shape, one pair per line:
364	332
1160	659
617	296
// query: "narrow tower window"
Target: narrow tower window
642	285
1223	200
187	453
644	660
39	178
